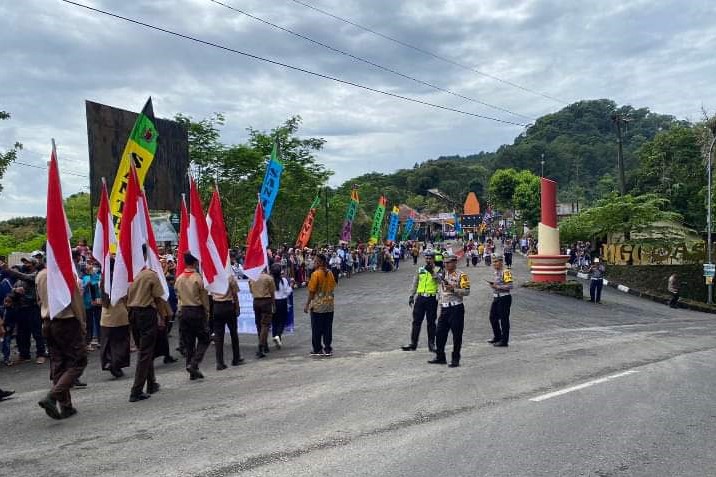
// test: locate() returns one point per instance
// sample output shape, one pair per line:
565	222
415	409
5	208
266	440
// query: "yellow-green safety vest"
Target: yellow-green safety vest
427	285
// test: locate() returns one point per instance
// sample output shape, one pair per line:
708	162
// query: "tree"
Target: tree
7	157
502	188
526	197
618	214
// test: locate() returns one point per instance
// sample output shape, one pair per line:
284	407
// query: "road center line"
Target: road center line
581	386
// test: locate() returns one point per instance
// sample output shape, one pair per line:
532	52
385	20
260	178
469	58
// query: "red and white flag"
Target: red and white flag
132	235
183	237
202	246
256	244
104	238
152	262
217	227
61	273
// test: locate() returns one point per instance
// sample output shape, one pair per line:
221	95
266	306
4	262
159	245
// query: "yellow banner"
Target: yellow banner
142	161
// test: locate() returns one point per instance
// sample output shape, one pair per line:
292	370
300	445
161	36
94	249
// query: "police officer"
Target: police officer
144	303
501	303
454	286
194	303
425	285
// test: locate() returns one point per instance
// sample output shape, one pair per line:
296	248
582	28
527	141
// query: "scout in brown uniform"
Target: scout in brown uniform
224	311
114	332
264	293
194	304
65	335
144	302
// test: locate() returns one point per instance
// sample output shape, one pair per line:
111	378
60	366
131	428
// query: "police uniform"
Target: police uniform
194	304
224	310
501	303
142	297
425	286
452	314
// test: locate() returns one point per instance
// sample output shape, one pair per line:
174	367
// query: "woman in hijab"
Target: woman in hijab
283	292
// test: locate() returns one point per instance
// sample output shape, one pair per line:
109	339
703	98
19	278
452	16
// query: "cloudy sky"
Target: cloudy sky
54	55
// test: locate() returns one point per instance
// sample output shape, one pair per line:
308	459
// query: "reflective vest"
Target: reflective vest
438	257
426	283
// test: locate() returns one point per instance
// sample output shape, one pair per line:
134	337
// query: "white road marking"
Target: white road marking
581	386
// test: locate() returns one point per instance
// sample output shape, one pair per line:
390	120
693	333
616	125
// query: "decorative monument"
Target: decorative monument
548	265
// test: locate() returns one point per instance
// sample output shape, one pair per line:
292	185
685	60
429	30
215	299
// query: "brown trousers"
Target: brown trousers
263	312
68	356
114	352
143	322
194	334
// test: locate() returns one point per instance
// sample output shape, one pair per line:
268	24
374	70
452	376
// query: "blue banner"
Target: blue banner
458	227
408	228
393	226
272	183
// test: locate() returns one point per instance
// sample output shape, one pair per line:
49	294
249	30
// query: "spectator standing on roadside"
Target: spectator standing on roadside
673	287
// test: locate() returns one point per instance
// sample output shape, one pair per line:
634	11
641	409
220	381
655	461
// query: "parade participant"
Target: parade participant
144	304
225	310
454	286
487	254
194	306
415	252
264	292
596	275
320	303
501	303
68	356
507	251
283	291
114	332
425	285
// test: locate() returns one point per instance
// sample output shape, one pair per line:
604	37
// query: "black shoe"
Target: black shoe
67	412
437	361
500	344
194	373
454	365
237	362
266	349
79	384
117	373
6	394
153	388
50	407
169	359
494	340
409	348
221	367
138	397
260	354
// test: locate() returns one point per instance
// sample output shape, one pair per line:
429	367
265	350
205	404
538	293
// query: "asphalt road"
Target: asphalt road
643	403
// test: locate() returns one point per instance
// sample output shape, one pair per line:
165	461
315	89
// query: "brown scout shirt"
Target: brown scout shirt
231	294
190	290
114	316
144	290
264	287
75	309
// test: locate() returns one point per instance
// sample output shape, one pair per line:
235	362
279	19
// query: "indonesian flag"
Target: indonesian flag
202	246
104	238
256	244
153	262
132	235
217	227
183	237
61	274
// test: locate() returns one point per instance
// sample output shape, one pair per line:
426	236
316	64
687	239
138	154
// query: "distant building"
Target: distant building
566	209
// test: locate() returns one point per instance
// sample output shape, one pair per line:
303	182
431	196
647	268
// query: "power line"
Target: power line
430	53
371	63
35	166
292	67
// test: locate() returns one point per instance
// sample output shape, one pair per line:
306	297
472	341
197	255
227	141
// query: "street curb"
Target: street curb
688	304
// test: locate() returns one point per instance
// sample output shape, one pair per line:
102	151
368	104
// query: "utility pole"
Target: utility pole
325	195
618	119
709	158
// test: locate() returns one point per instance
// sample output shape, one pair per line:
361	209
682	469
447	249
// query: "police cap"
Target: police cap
497	258
429	253
450	258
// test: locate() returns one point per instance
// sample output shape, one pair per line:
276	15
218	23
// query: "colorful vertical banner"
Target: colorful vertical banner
346	230
272	182
377	227
140	149
304	235
393	226
458	226
408	228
